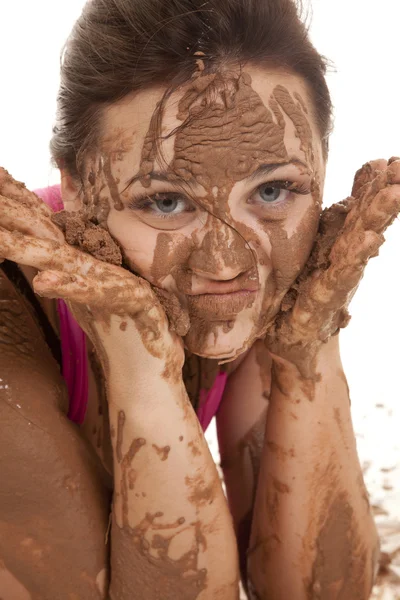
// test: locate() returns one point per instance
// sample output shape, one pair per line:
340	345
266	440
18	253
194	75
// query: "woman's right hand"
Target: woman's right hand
118	310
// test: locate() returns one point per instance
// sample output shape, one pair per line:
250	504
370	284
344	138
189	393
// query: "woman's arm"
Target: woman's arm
241	422
311	506
313	535
171	525
54	507
172	534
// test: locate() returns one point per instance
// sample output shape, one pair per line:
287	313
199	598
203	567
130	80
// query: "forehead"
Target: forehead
260	119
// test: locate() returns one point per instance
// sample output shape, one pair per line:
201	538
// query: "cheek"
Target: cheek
291	244
137	241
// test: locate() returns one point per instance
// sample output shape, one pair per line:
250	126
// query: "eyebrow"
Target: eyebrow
267	169
262	170
156	175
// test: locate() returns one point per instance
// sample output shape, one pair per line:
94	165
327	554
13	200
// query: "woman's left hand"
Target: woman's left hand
350	233
119	311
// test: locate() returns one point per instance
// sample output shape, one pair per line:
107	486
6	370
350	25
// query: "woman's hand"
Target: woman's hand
22	211
309	470
350	233
119	311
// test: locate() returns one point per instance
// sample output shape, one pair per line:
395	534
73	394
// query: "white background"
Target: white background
361	38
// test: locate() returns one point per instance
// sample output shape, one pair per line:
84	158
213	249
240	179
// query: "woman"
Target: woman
188	244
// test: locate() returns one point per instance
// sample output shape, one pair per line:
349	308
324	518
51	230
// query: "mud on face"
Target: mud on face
200	218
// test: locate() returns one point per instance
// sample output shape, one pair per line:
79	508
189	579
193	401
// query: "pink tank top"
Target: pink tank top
75	366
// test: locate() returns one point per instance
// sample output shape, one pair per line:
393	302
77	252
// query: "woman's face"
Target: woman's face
223	207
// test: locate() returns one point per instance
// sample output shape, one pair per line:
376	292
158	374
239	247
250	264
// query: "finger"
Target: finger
35	252
93	281
381	213
73	287
394	171
365	197
359	241
116	297
17	217
46	254
331	290
377	205
379	208
177	314
367	173
348	261
16	190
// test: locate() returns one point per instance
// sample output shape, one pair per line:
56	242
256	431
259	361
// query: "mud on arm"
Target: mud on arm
312	518
313	534
171	533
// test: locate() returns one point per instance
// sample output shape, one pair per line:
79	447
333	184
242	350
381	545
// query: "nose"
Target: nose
222	255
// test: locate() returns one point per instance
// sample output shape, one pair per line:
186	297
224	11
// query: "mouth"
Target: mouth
222	288
222	306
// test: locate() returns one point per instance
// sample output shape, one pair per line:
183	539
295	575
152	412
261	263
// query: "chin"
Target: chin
220	341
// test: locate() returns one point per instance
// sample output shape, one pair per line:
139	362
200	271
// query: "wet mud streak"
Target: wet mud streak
299	120
112	185
201	493
156	574
341	559
162	452
125	462
150	564
120	429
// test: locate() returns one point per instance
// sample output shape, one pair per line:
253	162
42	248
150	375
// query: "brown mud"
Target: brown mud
212	105
145	549
83	231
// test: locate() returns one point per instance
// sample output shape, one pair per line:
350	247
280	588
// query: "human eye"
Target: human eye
278	191
161	205
277	195
163	210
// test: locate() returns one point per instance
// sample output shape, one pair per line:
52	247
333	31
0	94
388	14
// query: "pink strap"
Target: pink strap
210	401
75	366
73	339
51	196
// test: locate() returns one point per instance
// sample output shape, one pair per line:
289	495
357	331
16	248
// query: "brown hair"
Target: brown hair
120	46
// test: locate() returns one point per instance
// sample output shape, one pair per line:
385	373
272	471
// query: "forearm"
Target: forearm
172	534
313	536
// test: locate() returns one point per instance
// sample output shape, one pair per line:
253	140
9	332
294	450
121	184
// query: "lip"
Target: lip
221	306
221	288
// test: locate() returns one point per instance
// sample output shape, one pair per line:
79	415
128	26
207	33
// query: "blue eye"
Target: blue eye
275	197
269	193
166	204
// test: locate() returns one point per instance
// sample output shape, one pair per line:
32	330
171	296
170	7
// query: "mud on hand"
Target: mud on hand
106	299
350	233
